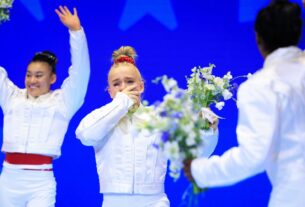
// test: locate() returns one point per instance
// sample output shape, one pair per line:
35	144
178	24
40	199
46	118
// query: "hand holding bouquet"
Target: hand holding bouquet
184	121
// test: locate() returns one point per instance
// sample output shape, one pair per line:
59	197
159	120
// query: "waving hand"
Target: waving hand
68	19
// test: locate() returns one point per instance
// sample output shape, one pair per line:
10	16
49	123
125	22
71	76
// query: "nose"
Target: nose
32	79
122	86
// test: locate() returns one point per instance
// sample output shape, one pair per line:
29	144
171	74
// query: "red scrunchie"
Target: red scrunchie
125	59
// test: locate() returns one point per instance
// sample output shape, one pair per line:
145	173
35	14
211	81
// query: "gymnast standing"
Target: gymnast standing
36	120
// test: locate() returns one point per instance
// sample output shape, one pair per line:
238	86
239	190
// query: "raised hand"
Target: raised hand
68	19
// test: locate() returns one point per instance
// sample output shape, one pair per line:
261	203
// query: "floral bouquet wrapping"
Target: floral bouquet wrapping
182	118
5	6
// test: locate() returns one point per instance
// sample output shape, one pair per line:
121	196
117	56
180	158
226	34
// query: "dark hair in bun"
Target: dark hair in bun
47	57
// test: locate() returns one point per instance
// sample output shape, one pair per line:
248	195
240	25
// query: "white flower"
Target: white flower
210	87
228	76
195	152
6	4
219	105
169	84
171	150
175	168
226	94
190	140
169	97
188	127
219	82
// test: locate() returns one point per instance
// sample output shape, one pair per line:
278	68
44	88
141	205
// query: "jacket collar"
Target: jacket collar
39	98
282	55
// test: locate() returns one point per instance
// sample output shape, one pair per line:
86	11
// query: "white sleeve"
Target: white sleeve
96	125
257	127
7	88
74	87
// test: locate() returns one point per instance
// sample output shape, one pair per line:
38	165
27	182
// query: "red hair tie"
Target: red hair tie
125	59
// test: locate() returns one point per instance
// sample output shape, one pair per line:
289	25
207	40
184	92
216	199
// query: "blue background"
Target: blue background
170	37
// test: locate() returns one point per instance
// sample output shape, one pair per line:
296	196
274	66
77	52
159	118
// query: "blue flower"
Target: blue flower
157	103
163	113
180	94
177	115
156	146
165	136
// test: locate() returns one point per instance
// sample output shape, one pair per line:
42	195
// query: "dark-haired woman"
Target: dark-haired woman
271	123
36	120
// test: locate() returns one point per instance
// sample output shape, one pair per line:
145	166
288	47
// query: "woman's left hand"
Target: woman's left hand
68	19
187	169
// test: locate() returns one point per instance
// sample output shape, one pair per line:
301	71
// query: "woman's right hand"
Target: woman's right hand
133	94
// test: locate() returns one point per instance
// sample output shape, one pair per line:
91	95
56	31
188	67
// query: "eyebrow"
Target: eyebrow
115	80
38	72
127	78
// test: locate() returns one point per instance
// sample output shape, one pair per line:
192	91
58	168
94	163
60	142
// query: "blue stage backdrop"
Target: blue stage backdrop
170	37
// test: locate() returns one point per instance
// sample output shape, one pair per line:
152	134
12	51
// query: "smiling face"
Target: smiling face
39	78
124	75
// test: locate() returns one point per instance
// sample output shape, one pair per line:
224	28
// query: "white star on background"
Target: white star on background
135	10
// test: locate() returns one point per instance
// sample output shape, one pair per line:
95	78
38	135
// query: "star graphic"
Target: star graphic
135	10
249	8
34	7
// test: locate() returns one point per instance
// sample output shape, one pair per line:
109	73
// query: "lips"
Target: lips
33	86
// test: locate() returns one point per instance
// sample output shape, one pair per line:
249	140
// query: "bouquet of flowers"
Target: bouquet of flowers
183	117
206	89
178	123
5	6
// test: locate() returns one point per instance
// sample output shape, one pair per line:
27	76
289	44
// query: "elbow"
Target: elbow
255	162
85	138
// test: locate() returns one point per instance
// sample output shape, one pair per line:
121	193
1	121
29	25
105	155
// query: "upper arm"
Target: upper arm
257	122
7	88
74	87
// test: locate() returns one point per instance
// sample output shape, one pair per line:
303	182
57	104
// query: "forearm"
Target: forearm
233	166
95	126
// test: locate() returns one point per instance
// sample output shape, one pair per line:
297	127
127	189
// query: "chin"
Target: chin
33	94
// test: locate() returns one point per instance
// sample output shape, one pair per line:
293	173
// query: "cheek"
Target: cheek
140	87
112	92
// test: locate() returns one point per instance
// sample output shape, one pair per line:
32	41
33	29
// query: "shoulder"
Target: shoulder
2	70
258	87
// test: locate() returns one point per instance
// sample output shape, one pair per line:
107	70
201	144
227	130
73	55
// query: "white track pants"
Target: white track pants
27	188
124	200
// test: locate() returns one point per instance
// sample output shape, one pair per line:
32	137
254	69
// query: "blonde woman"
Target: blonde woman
131	169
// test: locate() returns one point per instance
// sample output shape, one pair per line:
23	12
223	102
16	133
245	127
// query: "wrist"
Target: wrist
75	28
